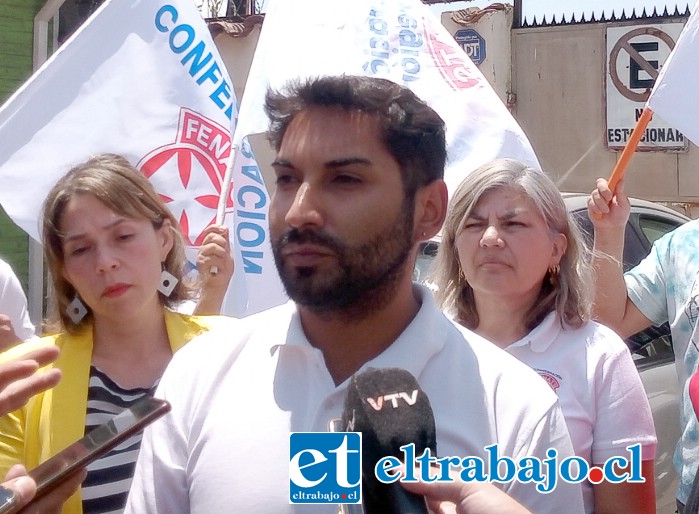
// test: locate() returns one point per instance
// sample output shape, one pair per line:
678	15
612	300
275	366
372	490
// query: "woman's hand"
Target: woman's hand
608	210
215	252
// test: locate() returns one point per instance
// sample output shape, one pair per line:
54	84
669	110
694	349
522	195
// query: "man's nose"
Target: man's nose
306	208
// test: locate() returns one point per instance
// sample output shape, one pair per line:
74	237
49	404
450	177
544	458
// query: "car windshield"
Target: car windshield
424	261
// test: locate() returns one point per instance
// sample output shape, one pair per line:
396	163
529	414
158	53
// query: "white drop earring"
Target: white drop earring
76	310
168	282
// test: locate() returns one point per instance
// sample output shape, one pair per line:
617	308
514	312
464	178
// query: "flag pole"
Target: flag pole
630	148
226	186
225	191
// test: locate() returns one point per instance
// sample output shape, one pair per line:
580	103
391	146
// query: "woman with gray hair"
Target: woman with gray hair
514	268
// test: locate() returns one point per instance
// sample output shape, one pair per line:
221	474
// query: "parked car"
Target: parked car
651	349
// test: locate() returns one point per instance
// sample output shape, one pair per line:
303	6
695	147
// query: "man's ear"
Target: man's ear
430	209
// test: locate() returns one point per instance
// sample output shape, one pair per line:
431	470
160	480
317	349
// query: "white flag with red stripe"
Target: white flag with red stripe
143	79
400	40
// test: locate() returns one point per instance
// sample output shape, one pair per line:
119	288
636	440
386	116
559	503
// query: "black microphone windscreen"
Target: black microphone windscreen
390	410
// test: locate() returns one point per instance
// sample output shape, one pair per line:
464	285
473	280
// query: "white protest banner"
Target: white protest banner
142	78
400	40
674	96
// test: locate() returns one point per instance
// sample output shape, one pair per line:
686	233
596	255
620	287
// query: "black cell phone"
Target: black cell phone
8	501
51	473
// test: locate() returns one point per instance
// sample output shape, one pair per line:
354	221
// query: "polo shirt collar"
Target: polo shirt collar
424	337
543	336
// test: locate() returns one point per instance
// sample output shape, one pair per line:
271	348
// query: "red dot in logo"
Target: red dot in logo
344	496
596	475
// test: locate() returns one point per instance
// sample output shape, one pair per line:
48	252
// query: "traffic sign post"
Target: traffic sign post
635	55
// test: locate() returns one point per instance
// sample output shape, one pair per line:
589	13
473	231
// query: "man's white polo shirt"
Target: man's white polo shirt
236	396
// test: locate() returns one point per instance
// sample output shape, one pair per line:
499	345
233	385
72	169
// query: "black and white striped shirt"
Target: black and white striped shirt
106	487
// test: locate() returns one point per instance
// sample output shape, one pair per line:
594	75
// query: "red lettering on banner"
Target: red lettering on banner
210	137
201	145
451	63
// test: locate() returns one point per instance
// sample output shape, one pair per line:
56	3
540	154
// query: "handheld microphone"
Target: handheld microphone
390	410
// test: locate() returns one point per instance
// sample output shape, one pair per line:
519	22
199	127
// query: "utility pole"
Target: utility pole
517	14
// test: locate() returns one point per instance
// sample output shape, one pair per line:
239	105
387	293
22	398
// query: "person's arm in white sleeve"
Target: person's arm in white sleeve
623	419
15	325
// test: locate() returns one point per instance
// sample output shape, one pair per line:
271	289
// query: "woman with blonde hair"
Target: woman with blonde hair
116	260
513	267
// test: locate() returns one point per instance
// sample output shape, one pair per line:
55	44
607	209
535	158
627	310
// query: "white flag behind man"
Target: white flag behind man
400	40
143	79
674	96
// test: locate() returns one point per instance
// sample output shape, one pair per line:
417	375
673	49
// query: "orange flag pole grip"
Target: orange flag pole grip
630	148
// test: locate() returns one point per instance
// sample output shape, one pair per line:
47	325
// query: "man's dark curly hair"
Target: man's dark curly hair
412	132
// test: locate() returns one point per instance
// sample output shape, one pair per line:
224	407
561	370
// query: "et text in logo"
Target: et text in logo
325	467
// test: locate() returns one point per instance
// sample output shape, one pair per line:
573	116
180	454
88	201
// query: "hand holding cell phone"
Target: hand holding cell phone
58	477
18	491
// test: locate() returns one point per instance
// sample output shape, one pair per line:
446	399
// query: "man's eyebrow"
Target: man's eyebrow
347	161
282	163
333	163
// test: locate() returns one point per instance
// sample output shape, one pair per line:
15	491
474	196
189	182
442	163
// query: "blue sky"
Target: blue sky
538	8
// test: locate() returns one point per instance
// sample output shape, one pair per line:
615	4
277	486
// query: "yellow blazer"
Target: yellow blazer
52	420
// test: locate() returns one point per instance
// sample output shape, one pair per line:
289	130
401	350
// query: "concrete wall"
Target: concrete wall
237	53
553	80
495	29
557	94
559	77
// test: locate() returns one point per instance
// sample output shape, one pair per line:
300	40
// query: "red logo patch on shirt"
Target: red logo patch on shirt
551	378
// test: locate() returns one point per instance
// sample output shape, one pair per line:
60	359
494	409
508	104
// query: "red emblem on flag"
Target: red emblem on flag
188	173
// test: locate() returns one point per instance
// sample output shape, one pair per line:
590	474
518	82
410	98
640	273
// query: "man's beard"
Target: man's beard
365	278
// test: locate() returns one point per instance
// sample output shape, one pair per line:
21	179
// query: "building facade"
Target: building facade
16	61
558	82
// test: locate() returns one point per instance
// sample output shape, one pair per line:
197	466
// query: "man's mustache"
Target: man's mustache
309	236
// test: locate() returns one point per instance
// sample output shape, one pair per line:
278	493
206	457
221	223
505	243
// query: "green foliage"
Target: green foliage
16	50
